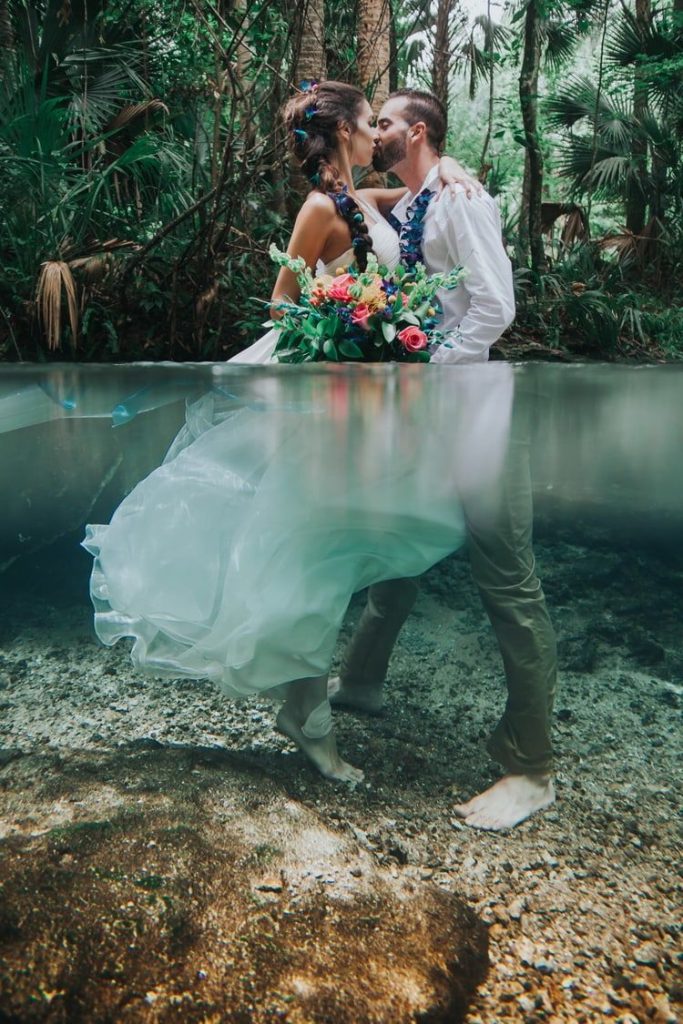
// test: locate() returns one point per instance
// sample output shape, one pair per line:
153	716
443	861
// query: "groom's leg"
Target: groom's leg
504	570
366	658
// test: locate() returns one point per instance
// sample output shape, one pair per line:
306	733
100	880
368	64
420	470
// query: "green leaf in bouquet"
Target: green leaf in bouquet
350	350
330	350
329	327
388	330
288	355
408	317
288	339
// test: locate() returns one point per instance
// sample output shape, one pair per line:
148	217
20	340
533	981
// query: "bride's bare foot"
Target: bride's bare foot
322	752
369	699
508	802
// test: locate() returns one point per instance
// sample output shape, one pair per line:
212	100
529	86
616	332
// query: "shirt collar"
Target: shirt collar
399	211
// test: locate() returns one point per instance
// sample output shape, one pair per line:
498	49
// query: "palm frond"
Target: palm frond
54	275
617	133
561	41
574	102
494	34
629	43
609	171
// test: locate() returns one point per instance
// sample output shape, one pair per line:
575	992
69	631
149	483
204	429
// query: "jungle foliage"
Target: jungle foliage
144	172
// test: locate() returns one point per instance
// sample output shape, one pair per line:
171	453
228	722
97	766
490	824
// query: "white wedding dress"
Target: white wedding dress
288	489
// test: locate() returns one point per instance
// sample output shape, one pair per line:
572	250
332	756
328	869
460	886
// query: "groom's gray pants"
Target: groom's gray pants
503	568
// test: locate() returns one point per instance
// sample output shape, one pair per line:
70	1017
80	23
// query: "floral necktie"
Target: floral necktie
411	231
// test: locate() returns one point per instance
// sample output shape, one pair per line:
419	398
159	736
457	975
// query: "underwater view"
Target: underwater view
168	850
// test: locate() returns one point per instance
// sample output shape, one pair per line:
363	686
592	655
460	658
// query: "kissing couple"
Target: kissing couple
244	626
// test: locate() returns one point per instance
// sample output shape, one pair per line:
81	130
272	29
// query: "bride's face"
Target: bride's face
362	139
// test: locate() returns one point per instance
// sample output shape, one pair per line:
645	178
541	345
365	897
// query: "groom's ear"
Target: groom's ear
417	131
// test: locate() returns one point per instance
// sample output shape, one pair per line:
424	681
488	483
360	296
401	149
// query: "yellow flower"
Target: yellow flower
374	296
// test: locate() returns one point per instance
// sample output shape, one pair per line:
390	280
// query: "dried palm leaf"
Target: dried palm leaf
624	243
54	275
575	227
134	110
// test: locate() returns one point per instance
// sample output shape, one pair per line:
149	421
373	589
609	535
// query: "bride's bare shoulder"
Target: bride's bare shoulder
317	204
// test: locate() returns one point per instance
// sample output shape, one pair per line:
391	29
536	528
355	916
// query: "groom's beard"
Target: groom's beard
387	156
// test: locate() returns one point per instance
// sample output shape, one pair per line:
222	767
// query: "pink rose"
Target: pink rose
339	290
412	339
360	315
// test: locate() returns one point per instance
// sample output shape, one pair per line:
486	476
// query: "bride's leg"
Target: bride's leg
306	717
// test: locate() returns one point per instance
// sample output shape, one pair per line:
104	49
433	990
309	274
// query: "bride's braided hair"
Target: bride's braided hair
312	118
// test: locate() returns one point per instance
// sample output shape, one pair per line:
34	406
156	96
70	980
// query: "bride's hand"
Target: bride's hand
451	173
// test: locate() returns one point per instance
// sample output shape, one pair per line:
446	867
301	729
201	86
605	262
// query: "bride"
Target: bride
235	560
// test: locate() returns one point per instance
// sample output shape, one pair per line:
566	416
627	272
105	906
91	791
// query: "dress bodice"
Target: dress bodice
384	243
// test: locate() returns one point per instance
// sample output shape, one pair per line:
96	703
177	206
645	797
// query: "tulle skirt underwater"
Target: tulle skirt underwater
287	490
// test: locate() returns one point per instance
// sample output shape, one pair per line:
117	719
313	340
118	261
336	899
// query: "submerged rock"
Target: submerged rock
211	895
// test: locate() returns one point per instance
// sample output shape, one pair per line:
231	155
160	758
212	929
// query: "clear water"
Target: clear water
606	447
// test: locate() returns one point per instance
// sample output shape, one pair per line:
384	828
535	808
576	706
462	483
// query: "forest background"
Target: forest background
144	172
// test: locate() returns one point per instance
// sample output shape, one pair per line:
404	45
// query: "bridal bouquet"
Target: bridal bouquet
363	316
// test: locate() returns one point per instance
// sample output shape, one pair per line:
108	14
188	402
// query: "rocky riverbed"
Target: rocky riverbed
153	833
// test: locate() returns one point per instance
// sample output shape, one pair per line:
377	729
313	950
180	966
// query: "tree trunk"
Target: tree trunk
636	202
312	62
393	51
483	167
374	41
442	52
6	46
530	235
374	60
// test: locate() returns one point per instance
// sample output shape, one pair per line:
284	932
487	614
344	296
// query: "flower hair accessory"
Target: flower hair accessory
309	85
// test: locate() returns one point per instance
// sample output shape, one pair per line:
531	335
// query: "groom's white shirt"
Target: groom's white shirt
465	231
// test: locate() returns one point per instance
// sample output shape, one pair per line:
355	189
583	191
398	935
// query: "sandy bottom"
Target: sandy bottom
583	901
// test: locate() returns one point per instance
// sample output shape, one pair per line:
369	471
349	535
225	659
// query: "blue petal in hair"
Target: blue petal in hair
308	85
300	133
310	113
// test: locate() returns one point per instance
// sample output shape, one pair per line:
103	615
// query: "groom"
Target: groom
410	132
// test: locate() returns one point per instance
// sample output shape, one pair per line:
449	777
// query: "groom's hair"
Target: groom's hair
424	106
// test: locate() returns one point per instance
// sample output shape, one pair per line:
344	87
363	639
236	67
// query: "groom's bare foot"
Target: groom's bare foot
369	699
508	802
322	752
